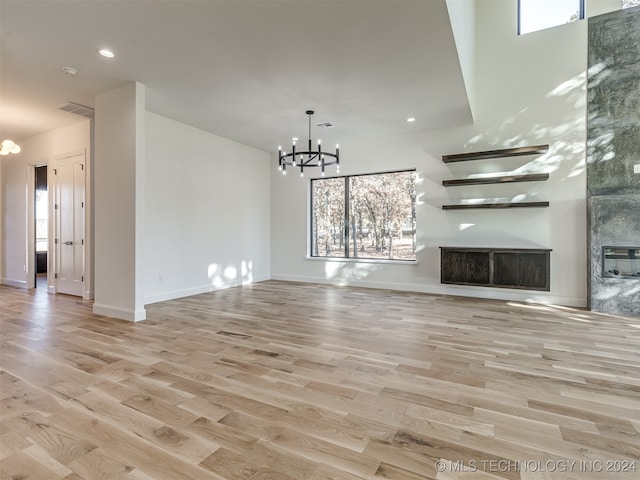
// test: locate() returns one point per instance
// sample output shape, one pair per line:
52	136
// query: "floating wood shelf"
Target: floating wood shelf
533	177
495	205
506	152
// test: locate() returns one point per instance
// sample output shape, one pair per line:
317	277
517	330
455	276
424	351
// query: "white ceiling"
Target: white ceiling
245	70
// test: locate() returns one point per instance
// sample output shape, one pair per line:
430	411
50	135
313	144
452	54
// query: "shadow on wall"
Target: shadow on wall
573	92
565	132
230	275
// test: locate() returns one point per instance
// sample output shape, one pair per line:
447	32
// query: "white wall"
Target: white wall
119	202
37	150
207	211
530	90
462	15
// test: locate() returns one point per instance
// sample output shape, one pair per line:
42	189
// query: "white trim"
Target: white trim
121	313
30	202
14	283
529	296
362	260
188	292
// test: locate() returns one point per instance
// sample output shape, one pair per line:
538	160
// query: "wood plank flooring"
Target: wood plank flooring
283	381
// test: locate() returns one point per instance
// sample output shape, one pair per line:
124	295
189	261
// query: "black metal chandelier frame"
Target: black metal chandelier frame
310	158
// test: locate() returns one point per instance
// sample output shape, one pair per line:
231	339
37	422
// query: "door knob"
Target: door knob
68	242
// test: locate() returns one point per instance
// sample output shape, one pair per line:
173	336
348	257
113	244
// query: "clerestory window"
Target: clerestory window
536	15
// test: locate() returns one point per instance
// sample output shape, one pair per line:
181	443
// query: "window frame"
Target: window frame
346	230
581	16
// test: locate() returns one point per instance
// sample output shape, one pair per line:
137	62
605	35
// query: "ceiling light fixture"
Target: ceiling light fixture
411	120
302	159
105	52
72	72
9	146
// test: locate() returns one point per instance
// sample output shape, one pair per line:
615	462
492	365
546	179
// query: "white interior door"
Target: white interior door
69	238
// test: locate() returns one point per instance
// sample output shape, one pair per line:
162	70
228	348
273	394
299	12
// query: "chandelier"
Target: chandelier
9	146
309	158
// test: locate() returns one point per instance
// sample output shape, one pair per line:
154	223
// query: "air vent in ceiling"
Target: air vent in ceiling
78	109
325	125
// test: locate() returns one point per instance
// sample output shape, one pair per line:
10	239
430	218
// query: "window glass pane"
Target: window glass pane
382	216
327	223
540	14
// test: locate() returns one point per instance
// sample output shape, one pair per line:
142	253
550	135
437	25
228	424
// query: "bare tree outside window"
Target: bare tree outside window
328	212
381	215
630	3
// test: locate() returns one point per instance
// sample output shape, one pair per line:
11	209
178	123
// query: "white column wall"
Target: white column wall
530	90
119	202
207	219
462	15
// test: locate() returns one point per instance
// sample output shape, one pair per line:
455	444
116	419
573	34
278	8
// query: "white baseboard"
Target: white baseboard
121	313
528	296
188	292
14	283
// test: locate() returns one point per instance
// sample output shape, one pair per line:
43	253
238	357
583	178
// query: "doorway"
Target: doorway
41	227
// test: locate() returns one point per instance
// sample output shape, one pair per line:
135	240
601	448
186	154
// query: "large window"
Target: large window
536	15
364	216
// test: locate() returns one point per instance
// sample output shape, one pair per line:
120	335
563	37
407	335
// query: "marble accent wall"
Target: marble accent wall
613	148
615	221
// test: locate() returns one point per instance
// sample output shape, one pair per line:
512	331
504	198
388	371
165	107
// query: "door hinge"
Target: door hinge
55	241
82	242
82	278
82	166
82	204
55	171
55	275
55	207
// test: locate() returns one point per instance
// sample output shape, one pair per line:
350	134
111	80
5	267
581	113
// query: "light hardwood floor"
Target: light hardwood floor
278	381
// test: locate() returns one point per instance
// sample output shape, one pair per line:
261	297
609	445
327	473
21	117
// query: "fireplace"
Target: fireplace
621	262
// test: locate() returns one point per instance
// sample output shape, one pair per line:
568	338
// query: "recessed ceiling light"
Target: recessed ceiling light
105	52
411	119
295	139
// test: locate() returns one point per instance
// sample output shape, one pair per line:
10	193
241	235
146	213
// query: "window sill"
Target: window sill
362	260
